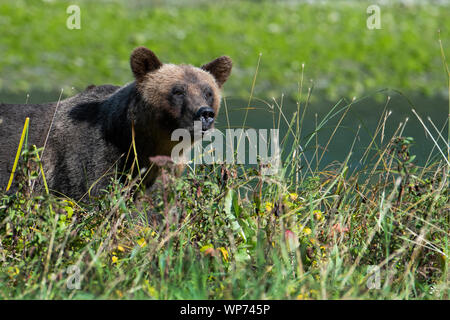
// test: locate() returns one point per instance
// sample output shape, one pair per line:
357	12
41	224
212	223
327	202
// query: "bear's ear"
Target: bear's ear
143	61
220	68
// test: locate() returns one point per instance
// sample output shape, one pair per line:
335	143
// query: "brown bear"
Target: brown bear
87	137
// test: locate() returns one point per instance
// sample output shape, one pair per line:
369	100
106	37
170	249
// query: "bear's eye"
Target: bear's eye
179	92
208	94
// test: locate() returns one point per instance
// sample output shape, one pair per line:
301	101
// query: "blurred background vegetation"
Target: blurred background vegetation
342	57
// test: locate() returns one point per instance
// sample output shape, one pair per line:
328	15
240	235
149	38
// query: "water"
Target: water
365	113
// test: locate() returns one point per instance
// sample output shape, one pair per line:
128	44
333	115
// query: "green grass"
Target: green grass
341	55
228	232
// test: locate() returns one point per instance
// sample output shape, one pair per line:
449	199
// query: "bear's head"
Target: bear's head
178	95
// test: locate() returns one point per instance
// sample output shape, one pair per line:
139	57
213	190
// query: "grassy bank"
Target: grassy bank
229	232
341	55
380	231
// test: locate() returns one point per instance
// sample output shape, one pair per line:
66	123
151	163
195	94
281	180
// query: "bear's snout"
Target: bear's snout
206	116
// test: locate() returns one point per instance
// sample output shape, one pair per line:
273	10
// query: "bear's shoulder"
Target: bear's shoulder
99	92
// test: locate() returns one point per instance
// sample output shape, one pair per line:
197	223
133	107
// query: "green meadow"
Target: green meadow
375	226
341	55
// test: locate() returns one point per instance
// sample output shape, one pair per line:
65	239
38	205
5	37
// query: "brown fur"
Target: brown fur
91	131
155	87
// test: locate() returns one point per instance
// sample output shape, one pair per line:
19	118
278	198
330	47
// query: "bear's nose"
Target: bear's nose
206	116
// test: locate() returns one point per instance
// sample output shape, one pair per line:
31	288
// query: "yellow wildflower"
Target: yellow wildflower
150	289
269	206
293	196
13	271
69	203
114	259
318	215
224	253
120	248
307	231
302	296
141	242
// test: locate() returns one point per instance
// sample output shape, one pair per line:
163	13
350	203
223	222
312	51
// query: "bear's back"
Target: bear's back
12	120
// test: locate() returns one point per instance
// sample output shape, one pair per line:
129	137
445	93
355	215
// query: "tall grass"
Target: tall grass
230	232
